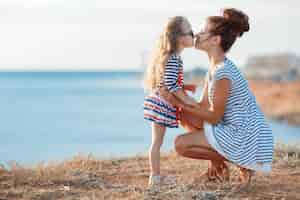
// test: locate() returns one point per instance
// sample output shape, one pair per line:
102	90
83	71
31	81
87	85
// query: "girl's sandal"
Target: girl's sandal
156	181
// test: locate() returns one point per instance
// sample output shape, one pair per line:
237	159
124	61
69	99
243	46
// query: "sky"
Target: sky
114	34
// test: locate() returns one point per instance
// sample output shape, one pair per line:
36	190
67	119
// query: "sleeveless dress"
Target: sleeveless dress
156	108
242	136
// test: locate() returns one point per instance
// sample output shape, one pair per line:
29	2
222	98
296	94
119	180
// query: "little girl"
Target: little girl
166	70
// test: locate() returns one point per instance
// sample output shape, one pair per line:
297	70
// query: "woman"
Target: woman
227	125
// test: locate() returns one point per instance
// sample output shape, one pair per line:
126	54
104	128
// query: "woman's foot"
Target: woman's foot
223	171
208	176
217	172
245	175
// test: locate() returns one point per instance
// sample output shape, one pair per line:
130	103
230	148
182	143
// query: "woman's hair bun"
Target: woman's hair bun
237	19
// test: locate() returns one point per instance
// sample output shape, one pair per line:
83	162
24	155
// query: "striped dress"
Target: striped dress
157	109
242	135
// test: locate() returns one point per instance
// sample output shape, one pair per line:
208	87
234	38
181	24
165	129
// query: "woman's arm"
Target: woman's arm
215	113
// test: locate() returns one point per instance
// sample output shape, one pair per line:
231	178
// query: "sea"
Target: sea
56	115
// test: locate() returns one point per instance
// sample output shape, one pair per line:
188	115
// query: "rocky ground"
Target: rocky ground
88	178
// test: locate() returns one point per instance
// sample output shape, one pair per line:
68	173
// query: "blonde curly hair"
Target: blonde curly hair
166	45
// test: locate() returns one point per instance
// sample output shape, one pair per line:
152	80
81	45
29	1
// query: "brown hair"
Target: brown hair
231	25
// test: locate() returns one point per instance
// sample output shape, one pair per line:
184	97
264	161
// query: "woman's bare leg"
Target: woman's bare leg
194	145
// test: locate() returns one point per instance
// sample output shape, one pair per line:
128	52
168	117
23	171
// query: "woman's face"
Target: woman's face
186	38
204	39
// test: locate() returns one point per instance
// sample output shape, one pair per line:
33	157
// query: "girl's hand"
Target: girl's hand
190	87
190	101
170	97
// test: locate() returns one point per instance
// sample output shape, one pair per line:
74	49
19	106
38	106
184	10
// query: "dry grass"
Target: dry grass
88	178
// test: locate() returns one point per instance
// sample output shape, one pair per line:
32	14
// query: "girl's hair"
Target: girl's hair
166	45
232	24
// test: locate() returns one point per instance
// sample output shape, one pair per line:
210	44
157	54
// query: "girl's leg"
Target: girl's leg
158	132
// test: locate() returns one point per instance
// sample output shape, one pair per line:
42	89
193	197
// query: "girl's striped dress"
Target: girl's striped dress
157	109
242	136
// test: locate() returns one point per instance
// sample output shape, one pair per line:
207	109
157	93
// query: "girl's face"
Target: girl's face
205	40
186	38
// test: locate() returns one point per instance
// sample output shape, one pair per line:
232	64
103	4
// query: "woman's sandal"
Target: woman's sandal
245	175
223	172
219	173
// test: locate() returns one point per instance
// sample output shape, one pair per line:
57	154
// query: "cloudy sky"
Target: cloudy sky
112	35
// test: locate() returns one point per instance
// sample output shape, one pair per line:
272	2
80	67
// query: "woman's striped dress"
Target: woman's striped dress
157	109
242	136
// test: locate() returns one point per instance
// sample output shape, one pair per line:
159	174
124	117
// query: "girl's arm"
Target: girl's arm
171	73
215	113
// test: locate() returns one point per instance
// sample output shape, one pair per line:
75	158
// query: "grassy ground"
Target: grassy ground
88	178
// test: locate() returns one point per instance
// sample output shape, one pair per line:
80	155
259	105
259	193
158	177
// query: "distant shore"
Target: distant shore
278	100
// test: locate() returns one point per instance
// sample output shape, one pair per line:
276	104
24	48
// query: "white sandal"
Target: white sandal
154	180
161	180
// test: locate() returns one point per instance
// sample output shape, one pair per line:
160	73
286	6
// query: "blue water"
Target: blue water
55	115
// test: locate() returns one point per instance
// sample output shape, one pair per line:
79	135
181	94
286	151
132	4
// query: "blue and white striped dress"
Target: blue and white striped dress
156	108
242	136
